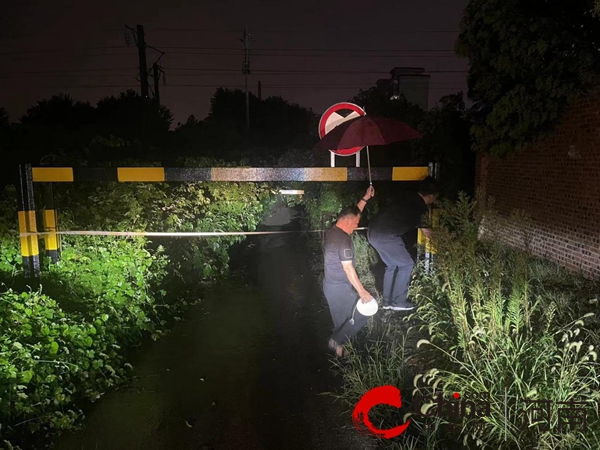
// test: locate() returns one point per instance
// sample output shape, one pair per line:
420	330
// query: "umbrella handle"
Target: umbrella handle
369	166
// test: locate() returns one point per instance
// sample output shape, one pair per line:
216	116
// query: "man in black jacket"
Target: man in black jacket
385	235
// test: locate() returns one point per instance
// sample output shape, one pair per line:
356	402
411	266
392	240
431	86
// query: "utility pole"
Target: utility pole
141	45
156	75
142	56
246	71
259	90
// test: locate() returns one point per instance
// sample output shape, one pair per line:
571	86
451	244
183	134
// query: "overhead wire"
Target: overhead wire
212	86
265	52
211	72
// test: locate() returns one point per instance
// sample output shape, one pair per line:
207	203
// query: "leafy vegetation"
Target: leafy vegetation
64	344
495	323
527	60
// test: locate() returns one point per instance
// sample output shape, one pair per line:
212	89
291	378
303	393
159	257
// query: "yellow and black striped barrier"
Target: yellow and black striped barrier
48	175
27	224
50	223
426	242
162	174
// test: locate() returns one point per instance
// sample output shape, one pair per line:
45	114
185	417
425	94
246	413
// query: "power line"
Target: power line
324	72
17	75
83	55
58	50
211	50
65	72
222	72
235	49
282	55
44	53
69	34
333	86
306	49
171	53
305	31
330	31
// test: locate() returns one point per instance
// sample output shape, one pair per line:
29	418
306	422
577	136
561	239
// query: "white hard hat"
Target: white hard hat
369	308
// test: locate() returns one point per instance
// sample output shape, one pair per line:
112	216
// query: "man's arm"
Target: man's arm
368	195
353	278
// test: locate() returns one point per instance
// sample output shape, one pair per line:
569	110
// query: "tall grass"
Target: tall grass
495	328
494	320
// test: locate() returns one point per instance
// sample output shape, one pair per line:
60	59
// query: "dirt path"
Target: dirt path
244	370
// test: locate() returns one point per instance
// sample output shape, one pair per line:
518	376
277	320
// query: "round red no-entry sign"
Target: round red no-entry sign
332	118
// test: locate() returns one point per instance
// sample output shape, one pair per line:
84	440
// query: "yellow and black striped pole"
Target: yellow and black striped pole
50	221
434	171
27	224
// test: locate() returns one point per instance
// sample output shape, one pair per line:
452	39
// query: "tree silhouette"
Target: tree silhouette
274	125
4	122
133	118
126	126
527	60
377	101
273	115
59	125
60	112
447	141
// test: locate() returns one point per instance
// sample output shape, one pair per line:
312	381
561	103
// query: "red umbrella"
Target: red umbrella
365	131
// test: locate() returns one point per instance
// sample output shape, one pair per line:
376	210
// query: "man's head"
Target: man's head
348	219
429	189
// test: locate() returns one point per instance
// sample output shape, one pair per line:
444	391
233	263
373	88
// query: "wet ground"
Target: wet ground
244	370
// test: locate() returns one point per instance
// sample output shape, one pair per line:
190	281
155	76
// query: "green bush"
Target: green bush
10	254
173	207
56	353
48	359
113	276
64	344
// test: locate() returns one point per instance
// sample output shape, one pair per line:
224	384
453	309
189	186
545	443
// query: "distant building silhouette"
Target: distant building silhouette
412	82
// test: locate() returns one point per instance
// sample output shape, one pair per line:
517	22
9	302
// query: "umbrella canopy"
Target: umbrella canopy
366	130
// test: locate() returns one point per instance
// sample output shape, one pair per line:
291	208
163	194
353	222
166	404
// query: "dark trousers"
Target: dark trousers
342	299
398	266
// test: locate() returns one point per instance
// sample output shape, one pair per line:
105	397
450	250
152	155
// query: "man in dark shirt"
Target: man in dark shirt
385	234
341	285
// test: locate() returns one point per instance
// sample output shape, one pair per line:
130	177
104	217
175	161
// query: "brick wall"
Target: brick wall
558	184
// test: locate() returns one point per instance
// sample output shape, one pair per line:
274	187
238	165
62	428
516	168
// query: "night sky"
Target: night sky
79	48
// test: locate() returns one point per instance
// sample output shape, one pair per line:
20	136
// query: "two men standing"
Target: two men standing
341	285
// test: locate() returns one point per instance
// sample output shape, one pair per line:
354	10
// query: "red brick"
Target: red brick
557	182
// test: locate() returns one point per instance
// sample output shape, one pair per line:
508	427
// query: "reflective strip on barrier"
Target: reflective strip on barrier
52	174
409	173
28	232
51	240
141	174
